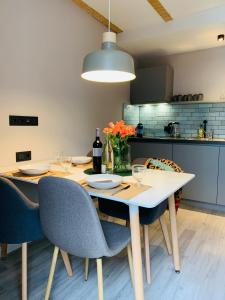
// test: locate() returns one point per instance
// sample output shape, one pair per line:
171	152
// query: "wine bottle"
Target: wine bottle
97	153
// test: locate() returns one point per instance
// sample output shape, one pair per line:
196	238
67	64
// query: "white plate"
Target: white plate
104	181
79	160
34	169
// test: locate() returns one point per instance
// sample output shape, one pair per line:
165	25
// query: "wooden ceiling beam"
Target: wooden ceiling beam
161	10
95	14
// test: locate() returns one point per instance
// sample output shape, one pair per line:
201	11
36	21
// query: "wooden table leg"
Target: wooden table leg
173	222
136	251
4	248
24	271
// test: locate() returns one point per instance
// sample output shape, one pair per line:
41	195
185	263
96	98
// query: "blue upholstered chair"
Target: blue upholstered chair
70	221
19	222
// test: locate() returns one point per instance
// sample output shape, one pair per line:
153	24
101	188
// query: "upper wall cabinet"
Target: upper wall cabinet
152	85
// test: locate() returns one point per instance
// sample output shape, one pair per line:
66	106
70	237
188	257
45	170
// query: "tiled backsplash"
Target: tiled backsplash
155	116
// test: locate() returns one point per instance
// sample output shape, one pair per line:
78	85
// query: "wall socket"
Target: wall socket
23	121
23	156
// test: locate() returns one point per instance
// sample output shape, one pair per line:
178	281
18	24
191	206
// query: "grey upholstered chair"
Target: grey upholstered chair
70	221
19	222
147	217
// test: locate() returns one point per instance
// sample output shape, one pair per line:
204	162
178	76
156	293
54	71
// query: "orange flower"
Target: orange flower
111	125
107	130
115	130
120	123
119	128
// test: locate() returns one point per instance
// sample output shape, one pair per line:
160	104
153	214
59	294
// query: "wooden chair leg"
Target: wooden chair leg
100	278
127	223
147	254
86	268
4	248
24	271
52	271
166	234
130	260
67	264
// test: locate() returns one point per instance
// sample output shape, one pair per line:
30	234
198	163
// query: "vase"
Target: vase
107	157
121	157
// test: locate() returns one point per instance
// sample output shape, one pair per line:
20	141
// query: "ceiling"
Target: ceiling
195	25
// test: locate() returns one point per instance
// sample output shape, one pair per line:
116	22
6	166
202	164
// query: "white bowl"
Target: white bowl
34	169
104	181
80	160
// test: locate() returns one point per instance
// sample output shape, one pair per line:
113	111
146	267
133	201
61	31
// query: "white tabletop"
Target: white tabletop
162	185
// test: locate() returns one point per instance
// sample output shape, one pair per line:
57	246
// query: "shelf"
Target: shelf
178	103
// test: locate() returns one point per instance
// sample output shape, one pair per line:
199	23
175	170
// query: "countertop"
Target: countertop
191	140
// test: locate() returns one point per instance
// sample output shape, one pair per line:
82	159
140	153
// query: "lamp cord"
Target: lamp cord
109	11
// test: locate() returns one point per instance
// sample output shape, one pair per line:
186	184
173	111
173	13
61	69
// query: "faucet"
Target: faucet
205	127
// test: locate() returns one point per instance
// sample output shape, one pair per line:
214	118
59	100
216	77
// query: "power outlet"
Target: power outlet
23	156
23	121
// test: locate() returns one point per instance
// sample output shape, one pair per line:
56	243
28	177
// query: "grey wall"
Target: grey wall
43	43
155	116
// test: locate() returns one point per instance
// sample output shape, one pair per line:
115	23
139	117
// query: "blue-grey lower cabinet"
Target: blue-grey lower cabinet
202	160
142	149
221	178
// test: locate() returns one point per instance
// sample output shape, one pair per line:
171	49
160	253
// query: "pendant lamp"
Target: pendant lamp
108	64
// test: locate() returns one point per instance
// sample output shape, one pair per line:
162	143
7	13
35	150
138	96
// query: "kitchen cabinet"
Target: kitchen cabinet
221	178
202	160
153	84
142	149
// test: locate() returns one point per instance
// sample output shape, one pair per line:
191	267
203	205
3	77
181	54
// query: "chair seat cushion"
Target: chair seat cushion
117	236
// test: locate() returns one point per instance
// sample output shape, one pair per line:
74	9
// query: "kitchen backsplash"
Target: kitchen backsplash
155	116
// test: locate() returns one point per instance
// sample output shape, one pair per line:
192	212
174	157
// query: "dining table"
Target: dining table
161	186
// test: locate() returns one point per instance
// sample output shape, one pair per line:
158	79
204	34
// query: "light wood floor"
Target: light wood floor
202	245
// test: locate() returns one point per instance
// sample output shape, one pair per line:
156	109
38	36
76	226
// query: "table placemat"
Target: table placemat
120	191
18	174
90	171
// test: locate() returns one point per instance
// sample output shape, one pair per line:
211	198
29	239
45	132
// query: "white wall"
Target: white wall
42	45
195	72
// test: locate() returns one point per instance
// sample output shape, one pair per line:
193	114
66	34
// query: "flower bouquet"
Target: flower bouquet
117	134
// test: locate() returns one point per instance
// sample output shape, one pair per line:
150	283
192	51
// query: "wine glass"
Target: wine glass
138	172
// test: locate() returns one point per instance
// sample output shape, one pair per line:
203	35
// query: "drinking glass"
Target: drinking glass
66	163
138	172
59	157
210	134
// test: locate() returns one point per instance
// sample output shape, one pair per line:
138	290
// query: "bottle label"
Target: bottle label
103	169
97	152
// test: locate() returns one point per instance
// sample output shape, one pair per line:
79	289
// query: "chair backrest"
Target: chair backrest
166	165
162	164
19	217
69	218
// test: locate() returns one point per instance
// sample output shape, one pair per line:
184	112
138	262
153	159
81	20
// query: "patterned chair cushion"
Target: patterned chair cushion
166	165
